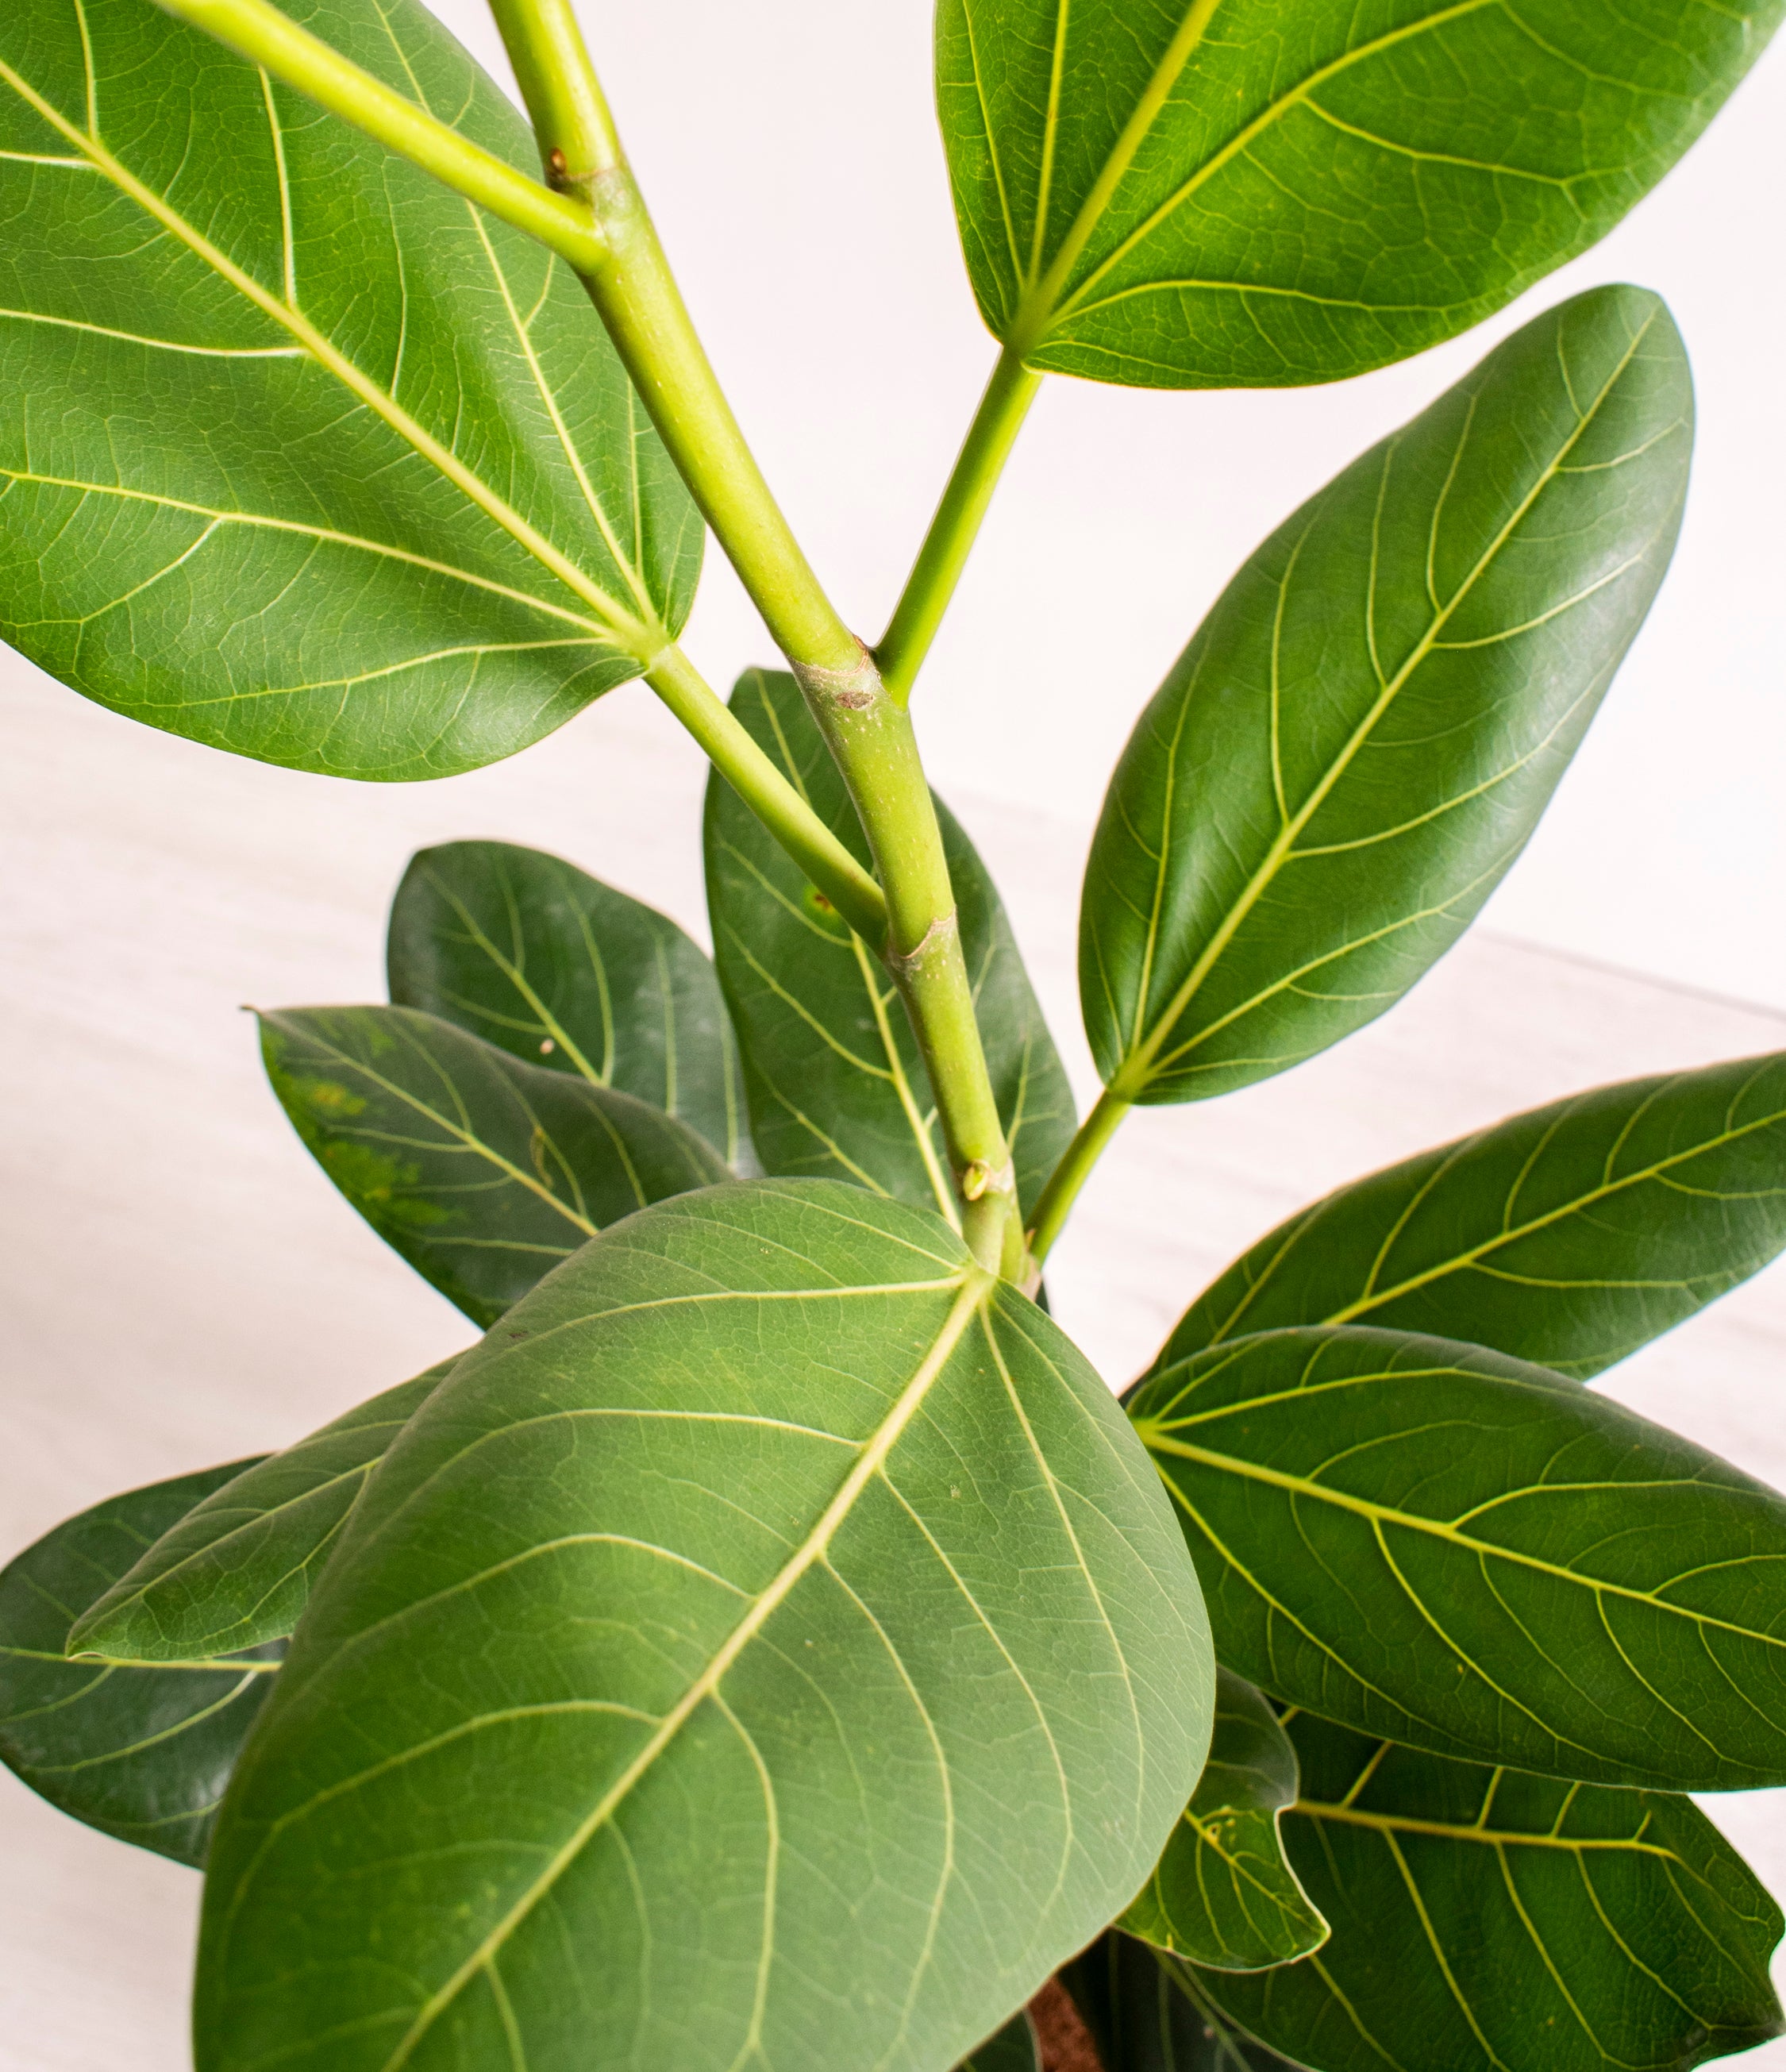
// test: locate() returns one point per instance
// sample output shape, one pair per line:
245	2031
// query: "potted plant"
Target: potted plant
770	1643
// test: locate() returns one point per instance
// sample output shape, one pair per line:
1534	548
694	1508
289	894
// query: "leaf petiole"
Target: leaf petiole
959	515
1088	1146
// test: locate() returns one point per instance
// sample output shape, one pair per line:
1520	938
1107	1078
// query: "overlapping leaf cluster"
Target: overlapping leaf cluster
770	1643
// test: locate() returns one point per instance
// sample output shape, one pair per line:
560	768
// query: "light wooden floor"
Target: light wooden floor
183	1286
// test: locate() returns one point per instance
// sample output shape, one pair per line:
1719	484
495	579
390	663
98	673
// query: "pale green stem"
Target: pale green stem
266	38
868	733
1063	1183
763	788
956	525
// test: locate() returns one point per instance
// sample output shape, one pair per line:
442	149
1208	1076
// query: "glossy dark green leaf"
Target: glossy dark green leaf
1223	1892
1568	1236
1011	2048
1198	194
481	1172
139	1753
804	1632
1146	2014
836	1085
1366	728
238	1568
1484	1920
1434	1542
550	964
272	404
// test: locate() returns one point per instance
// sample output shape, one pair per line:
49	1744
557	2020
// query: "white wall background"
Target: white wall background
790	152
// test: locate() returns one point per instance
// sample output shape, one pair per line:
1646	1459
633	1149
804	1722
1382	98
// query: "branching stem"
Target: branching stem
592	213
763	788
260	33
868	733
956	525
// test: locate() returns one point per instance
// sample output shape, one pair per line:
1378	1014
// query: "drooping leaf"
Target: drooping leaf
553	966
481	1172
139	1753
274	405
804	1633
1146	2014
1478	1557
836	1085
1483	1919
1568	1236
1011	2048
1226	194
238	1568
1223	1892
1366	728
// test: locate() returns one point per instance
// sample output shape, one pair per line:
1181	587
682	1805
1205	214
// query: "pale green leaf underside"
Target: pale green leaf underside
289	433
1365	729
1436	1543
531	954
238	1568
1231	193
836	1086
481	1172
1223	1892
141	1752
1568	1236
805	1632
1484	1920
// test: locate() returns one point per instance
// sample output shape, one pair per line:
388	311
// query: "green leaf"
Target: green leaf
1365	729
1011	2048
280	404
1223	1892
238	1568
836	1086
805	1636
1437	1542
481	1172
1569	1236
1483	1919
139	1753
1146	2014
1213	194
550	964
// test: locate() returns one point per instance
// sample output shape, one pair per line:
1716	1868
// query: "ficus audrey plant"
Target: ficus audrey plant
770	1645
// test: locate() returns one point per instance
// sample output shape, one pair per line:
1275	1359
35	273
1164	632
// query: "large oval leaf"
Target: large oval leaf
553	966
1437	1542
238	1569
481	1172
836	1084
1568	1236
771	1638
1224	193
139	1752
1366	728
275	406
1223	1892
1484	1920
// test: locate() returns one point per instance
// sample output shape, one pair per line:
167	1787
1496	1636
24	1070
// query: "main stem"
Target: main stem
957	523
868	732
